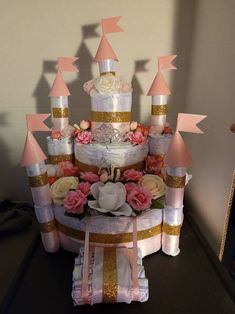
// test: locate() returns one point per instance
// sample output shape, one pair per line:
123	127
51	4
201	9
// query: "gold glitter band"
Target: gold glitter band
140	166
159	109
104	73
60	112
55	159
47	226
110	287
39	180
175	182
109	238
110	117
171	230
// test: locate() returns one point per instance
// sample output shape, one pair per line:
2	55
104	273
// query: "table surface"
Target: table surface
188	283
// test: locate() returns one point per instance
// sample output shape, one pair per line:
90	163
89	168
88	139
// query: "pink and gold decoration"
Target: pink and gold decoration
34	160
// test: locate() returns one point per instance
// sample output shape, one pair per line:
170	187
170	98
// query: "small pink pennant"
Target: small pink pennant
32	153
105	51
159	86
66	64
59	87
188	122
35	122
164	63
109	25
177	154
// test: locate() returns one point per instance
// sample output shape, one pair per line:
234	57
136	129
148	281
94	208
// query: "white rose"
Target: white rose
110	198
107	83
85	124
154	184
61	187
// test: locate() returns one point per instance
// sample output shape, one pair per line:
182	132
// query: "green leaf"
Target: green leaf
157	204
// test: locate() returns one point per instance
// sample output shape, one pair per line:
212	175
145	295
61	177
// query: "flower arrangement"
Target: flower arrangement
88	195
137	134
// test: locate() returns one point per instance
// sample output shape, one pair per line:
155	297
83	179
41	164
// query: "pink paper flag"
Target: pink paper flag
159	86
109	25
66	64
105	51
177	154
164	63
35	122
188	122
32	153
59	87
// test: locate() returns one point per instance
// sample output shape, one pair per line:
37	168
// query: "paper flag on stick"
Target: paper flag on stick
164	63
66	64
178	154
35	122
188	122
105	51
109	25
159	86
59	87
32	153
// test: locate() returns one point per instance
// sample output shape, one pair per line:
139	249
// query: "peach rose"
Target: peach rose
154	184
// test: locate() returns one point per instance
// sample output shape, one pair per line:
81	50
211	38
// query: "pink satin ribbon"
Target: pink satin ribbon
41	195
85	270
135	282
60	123
174	197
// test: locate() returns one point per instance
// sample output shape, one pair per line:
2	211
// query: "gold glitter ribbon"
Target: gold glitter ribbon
39	180
109	238
55	159
110	286
86	167
175	182
104	73
110	117
171	230
159	109
60	112
47	226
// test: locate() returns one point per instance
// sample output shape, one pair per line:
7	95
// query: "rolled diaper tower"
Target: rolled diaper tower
176	160
34	161
60	149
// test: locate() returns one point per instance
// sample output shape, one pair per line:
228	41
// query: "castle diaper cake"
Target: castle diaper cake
111	189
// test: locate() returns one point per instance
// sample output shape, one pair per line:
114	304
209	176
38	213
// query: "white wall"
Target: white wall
34	33
211	92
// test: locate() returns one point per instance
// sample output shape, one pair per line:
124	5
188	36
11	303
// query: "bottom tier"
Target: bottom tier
110	231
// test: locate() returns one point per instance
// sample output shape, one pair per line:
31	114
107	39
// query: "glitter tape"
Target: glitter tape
83	167
175	182
159	109
110	117
171	230
37	181
104	73
110	286
109	238
60	112
55	159
49	226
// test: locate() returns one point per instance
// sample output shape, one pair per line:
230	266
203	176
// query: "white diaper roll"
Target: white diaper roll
107	65
116	102
159	100
60	147
36	169
158	144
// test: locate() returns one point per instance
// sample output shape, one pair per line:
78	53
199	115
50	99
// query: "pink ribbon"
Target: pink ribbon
85	270
135	282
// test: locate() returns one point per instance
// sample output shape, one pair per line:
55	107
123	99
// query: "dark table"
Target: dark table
192	282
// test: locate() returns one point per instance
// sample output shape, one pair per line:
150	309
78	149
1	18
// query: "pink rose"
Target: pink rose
132	175
89	176
84	137
84	187
67	131
55	134
74	202
129	186
88	86
62	166
136	137
139	198
154	165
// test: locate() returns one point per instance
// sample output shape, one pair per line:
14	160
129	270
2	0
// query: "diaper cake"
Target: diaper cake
110	189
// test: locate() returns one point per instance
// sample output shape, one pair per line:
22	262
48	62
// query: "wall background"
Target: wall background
34	33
